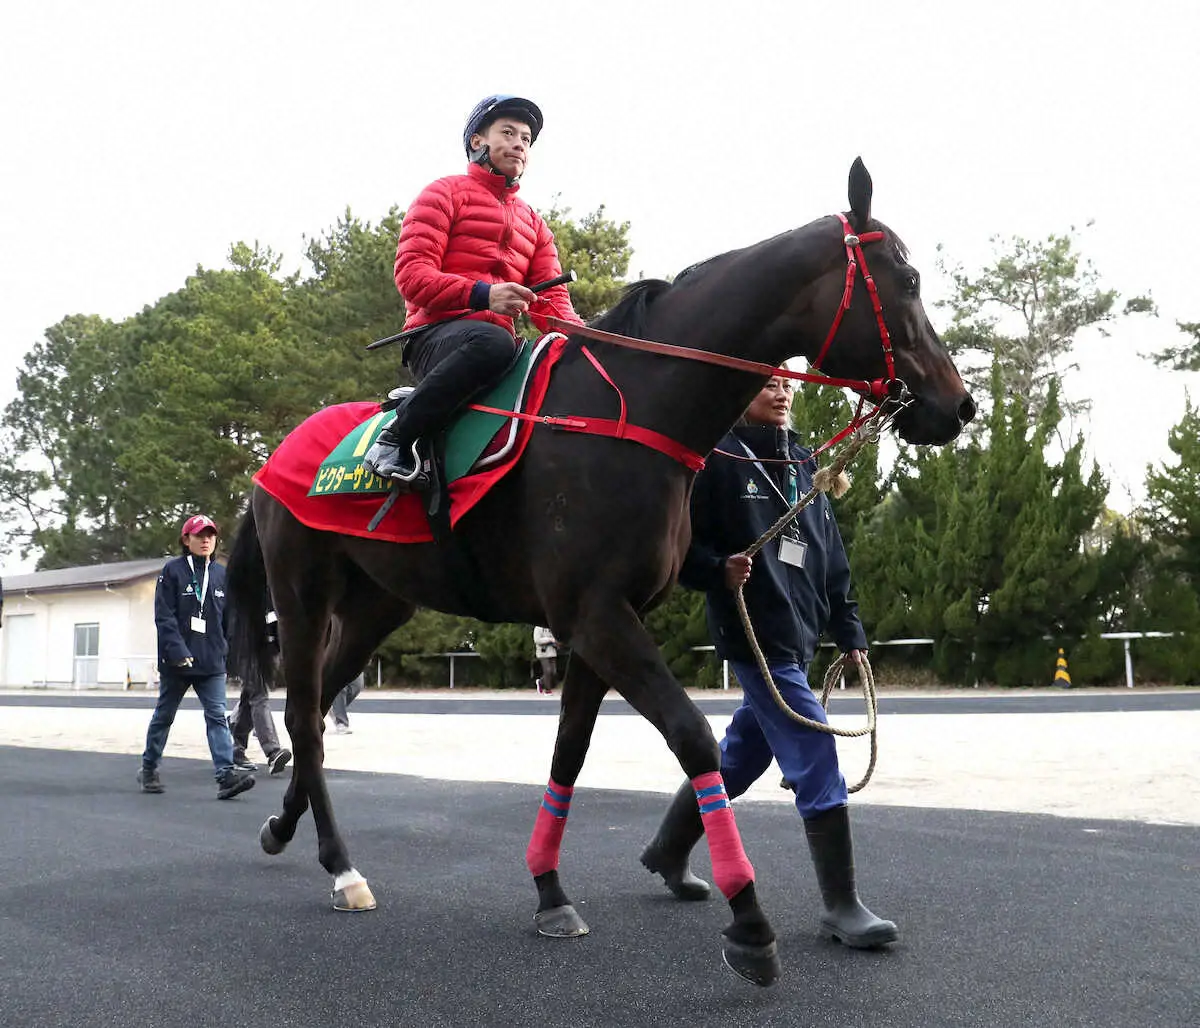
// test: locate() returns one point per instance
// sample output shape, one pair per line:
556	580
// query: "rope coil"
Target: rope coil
823	481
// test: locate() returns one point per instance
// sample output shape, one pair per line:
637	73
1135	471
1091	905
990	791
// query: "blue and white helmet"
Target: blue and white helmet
492	107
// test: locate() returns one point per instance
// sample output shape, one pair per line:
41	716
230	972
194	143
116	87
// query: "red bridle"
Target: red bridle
855	259
877	391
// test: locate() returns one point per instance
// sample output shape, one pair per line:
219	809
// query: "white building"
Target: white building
82	628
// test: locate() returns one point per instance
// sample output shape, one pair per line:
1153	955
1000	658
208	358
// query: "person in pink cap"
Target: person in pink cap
189	612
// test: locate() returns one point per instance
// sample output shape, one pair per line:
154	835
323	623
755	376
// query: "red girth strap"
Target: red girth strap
619	429
607	427
646	436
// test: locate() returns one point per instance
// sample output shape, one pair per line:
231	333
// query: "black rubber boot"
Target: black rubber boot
667	854
845	918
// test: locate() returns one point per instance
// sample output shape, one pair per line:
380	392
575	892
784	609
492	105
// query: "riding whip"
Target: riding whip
399	337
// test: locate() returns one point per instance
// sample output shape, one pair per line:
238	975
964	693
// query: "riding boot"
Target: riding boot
667	853
845	918
401	451
398	458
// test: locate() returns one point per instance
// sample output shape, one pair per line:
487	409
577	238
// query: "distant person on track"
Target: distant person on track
189	612
545	649
339	713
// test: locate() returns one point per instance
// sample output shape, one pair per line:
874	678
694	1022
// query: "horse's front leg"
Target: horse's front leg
278	831
582	693
617	646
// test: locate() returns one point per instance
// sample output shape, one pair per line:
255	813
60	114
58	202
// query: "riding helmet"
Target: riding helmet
492	107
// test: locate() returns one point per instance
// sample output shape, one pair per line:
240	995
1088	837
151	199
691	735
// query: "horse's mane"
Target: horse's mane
628	316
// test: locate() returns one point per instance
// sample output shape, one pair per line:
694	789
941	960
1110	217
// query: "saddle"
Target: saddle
480	438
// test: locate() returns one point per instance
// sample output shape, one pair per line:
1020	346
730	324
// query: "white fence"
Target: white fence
1125	637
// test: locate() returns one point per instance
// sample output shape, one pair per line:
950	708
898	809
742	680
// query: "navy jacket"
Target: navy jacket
176	602
733	503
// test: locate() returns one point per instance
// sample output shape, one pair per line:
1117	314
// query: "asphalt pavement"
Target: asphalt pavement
128	909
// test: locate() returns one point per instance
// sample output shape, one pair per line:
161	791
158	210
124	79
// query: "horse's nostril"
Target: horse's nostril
966	410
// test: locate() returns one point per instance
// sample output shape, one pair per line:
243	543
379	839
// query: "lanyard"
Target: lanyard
200	590
770	479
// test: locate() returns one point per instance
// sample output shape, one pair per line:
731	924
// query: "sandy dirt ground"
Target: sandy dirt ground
1141	766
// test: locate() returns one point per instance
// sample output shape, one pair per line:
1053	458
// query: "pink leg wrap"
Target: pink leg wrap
544	844
732	870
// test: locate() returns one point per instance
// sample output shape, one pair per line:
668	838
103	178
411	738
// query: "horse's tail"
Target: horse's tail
251	646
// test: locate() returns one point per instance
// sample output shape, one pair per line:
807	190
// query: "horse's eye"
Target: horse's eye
912	283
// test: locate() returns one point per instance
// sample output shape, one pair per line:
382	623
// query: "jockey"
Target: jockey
469	243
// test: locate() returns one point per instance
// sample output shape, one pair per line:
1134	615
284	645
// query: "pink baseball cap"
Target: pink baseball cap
196	524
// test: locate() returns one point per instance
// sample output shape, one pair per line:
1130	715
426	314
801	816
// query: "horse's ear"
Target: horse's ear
860	195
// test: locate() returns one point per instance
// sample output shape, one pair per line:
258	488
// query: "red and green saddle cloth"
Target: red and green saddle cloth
317	471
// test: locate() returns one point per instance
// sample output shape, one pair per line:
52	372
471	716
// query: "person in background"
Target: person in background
796	588
545	648
189	613
254	711
338	712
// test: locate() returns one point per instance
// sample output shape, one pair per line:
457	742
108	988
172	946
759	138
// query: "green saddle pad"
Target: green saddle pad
343	470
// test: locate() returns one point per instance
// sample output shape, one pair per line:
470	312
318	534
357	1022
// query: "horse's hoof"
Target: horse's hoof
560	923
759	965
270	842
353	898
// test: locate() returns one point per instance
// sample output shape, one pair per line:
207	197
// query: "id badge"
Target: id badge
792	551
199	626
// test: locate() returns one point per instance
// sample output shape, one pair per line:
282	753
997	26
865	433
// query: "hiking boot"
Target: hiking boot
233	781
148	779
278	760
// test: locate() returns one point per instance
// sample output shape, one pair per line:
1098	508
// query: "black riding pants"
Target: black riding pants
452	363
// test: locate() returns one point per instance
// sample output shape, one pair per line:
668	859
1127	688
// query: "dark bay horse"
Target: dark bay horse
586	535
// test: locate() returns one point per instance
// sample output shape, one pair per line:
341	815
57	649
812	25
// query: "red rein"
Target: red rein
876	392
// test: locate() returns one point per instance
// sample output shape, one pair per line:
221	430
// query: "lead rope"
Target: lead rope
822	482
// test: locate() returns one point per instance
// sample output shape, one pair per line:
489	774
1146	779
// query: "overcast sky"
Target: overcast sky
138	140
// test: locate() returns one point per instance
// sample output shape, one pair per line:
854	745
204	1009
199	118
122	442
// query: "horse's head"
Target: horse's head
855	338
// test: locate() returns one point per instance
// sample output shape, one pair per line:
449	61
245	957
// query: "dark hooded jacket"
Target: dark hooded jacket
733	503
176	602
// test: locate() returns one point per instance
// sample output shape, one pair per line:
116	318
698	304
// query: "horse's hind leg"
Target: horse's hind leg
612	639
361	618
582	692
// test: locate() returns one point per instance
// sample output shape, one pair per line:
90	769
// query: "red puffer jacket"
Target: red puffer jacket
472	228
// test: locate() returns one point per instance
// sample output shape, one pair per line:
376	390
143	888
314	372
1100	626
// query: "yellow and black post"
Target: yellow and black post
1062	677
